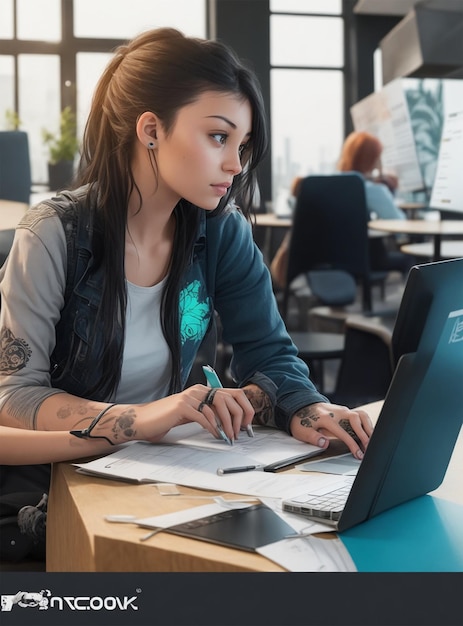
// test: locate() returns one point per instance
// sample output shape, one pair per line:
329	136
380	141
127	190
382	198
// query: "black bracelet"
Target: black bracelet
86	433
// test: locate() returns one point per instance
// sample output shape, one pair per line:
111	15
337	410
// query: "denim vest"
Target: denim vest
74	362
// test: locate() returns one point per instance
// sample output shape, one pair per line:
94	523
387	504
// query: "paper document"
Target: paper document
344	464
309	554
268	446
192	467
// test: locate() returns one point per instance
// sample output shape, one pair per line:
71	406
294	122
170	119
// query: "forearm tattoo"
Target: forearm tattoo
24	403
124	425
263	409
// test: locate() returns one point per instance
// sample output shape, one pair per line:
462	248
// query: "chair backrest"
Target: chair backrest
366	367
330	226
15	168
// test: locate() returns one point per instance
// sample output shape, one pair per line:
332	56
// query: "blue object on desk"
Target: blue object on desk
422	535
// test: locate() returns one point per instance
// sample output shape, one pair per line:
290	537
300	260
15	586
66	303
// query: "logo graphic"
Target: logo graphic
194	314
43	600
27	599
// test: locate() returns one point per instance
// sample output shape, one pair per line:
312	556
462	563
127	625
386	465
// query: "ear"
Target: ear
147	125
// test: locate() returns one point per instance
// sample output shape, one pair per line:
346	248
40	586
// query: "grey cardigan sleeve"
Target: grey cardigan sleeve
32	283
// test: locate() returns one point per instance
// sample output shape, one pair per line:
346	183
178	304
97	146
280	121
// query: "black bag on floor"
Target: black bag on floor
23	518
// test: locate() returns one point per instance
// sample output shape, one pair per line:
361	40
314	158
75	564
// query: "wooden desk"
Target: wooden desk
11	213
271	220
448	249
435	229
82	541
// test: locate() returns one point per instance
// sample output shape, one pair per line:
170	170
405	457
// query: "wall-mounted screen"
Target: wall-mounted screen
447	192
408	115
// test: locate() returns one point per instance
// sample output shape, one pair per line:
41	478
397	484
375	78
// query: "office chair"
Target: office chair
329	241
366	367
15	177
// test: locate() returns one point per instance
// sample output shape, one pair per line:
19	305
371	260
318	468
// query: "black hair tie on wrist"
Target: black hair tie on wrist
86	432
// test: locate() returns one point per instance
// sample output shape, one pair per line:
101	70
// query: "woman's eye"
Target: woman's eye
220	138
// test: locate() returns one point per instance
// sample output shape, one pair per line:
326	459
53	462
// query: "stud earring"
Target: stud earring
151	145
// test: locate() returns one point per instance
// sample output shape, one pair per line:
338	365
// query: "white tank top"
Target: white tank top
146	366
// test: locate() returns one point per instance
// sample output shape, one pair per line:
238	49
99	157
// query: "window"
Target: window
45	65
307	89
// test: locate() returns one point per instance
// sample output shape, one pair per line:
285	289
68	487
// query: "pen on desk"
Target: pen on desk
235	470
214	382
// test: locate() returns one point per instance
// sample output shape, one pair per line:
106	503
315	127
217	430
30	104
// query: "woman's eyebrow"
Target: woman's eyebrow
225	119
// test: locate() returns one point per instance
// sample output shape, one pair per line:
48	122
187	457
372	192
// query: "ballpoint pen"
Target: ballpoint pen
214	381
235	470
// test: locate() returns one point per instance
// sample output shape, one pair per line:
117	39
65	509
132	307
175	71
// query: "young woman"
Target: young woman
110	289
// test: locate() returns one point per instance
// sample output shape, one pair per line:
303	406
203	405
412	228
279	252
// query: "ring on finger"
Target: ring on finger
201	406
209	399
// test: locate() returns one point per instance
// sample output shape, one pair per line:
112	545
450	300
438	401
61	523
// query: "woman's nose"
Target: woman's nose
233	163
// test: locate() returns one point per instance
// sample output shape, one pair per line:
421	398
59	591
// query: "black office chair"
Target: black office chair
366	368
15	177
314	348
329	241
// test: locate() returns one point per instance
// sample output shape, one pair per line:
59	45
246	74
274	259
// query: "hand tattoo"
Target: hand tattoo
307	418
263	409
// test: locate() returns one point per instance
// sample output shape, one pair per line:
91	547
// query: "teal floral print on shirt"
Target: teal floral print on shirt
194	314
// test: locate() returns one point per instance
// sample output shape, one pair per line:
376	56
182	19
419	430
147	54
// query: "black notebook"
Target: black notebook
246	529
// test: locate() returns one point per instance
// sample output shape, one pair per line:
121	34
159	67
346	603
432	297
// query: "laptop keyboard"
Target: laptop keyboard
327	505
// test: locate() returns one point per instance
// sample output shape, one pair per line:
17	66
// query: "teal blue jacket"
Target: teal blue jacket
227	275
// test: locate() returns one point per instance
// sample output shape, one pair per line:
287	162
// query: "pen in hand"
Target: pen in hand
214	381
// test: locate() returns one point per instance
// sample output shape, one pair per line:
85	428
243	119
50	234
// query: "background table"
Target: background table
11	213
81	540
448	249
433	228
272	224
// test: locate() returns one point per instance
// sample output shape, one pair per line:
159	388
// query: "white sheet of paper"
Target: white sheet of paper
268	445
144	462
310	554
344	464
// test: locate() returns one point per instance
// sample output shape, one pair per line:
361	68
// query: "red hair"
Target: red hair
360	153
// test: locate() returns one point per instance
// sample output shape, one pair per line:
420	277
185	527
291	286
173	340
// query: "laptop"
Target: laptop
422	414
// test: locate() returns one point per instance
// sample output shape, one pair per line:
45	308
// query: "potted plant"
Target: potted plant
63	148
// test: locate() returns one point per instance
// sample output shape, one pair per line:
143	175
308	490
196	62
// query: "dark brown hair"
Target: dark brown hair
161	71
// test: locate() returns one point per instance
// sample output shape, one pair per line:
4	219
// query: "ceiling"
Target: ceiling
384	7
402	7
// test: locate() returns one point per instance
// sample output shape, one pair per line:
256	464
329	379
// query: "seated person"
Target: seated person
361	152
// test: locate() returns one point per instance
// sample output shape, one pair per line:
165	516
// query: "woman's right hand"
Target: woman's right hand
229	405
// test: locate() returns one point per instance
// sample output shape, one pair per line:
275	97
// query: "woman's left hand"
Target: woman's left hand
316	423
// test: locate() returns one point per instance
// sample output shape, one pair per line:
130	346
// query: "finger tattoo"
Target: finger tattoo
346	425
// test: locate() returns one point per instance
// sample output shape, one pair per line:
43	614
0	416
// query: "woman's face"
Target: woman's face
202	153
